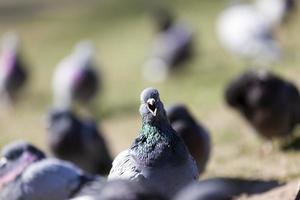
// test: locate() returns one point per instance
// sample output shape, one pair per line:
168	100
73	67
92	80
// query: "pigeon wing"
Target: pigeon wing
125	167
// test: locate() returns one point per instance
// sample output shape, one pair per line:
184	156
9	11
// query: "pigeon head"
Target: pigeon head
83	51
60	120
16	149
178	112
262	90
16	157
290	5
64	130
151	109
164	19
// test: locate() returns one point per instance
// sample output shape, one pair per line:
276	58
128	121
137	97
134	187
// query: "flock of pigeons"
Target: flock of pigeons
172	148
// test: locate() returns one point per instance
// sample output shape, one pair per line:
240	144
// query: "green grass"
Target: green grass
122	32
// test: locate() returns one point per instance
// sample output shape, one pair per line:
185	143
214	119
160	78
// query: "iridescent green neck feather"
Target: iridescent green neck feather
158	144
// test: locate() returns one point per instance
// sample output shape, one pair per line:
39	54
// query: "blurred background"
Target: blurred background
122	32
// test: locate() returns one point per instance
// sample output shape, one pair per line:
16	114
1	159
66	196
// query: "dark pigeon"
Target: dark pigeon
13	74
172	46
25	174
194	135
78	141
224	189
158	156
76	78
270	103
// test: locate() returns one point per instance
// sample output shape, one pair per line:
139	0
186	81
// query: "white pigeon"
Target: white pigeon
247	29
75	78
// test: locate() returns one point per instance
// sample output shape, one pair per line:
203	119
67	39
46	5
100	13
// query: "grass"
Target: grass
122	33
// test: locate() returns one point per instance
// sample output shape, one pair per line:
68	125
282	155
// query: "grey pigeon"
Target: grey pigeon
194	135
78	141
172	46
16	157
13	74
25	174
158	156
76	78
128	190
224	189
270	103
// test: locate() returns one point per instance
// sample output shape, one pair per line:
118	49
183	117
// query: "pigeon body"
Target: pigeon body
269	103
247	30
224	189
128	190
13	74
78	141
76	79
194	135
157	154
25	174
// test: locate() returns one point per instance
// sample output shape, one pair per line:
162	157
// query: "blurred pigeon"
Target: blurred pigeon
26	174
16	157
247	30
128	190
298	195
78	141
158	156
76	79
195	136
90	190
224	189
275	11
172	46
13	73
269	103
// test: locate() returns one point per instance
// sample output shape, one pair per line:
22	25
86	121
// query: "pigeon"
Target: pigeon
76	78
269	103
78	141
16	157
13	74
91	189
195	136
172	46
224	189
157	155
248	30
275	11
128	190
26	174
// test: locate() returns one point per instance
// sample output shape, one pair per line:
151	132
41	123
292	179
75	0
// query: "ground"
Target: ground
122	32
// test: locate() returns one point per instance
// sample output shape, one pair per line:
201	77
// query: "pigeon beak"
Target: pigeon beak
151	106
3	162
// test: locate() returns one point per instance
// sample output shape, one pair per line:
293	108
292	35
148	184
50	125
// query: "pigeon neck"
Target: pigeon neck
157	143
